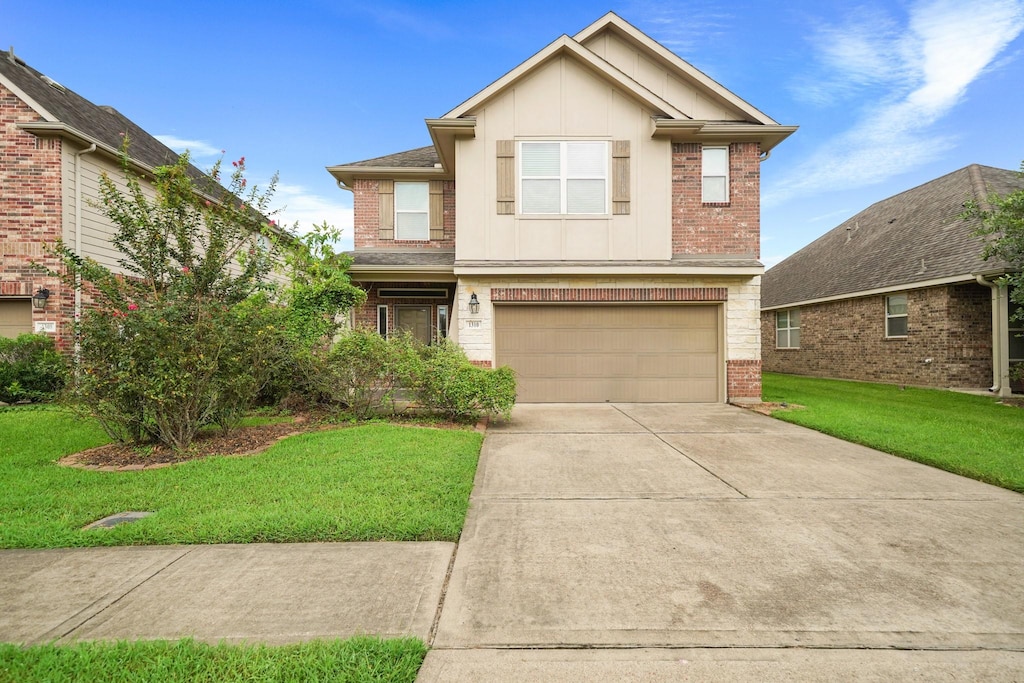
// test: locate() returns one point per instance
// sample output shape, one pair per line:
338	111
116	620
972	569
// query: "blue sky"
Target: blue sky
887	95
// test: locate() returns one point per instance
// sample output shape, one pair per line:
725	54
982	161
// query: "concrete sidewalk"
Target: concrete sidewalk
734	545
266	593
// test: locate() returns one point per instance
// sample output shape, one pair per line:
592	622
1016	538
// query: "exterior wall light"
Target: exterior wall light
474	303
39	298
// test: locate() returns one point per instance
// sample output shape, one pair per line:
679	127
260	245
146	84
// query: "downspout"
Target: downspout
78	236
1000	339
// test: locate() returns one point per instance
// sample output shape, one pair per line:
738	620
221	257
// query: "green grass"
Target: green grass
187	661
970	435
374	482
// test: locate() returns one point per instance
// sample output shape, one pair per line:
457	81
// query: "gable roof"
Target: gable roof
659	53
668	120
62	111
910	239
421	157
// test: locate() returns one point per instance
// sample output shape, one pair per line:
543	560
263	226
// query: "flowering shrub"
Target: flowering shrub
186	336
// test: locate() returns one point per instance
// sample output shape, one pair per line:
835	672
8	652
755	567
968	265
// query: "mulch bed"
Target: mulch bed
237	442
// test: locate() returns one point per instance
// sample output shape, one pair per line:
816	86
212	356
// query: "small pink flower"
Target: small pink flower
273	223
243	182
209	203
133	307
235	164
185	270
222	151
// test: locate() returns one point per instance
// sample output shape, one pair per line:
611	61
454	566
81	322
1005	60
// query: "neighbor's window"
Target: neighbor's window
382	320
1016	334
412	211
562	177
442	322
715	174
896	315
787	329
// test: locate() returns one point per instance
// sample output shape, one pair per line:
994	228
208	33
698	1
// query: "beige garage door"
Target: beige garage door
15	317
595	353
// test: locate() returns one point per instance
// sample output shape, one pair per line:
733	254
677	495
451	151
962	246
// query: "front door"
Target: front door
415	320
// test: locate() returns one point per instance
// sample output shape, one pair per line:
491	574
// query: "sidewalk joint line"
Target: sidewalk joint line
444	593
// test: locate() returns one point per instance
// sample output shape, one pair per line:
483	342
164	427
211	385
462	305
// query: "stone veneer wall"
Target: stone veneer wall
742	325
845	339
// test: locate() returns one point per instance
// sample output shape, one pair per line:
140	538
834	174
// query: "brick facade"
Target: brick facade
31	214
366	215
845	339
733	227
743	380
366	316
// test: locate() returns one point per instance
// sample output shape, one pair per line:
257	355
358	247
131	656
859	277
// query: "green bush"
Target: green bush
30	369
450	385
365	372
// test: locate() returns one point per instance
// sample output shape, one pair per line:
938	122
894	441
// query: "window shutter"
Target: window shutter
620	177
437	209
386	195
506	176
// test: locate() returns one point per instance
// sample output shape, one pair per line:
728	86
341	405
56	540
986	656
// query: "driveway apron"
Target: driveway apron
613	540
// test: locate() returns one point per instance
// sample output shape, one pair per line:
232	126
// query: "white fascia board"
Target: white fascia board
566	44
687	70
923	284
590	270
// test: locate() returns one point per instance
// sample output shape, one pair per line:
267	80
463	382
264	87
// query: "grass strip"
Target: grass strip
354	659
365	483
974	436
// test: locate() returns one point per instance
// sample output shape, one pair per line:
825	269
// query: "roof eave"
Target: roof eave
621	269
346	175
443	133
407	273
714	132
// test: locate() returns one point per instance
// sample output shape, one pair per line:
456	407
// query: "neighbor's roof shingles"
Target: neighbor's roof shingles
912	237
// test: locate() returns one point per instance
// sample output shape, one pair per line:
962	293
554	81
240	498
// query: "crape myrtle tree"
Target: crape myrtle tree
188	333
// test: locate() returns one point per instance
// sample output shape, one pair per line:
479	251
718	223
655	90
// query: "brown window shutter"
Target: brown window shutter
620	177
437	209
386	195
506	176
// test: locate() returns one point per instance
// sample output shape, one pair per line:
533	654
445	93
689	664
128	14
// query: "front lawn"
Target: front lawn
366	483
188	661
971	435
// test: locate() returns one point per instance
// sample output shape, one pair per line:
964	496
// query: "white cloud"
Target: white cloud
298	205
197	148
682	28
926	67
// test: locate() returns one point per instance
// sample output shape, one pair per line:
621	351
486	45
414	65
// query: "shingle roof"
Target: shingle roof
912	237
105	124
418	257
421	157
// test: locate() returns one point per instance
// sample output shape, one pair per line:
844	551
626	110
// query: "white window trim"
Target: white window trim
788	329
562	177
889	316
382	308
1014	328
442	330
704	176
425	212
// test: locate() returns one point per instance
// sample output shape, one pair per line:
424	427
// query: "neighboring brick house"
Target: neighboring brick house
898	293
591	219
54	145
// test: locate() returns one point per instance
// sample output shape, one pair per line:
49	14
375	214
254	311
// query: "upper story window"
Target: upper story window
412	211
563	177
787	329
896	315
715	174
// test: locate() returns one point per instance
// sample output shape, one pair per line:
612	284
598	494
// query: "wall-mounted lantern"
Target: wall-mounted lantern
39	298
474	304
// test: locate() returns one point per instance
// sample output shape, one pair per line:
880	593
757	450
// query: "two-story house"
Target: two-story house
590	219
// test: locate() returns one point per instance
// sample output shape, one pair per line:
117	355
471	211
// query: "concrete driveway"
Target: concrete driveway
668	542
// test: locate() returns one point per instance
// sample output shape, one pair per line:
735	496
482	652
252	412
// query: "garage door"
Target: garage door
594	353
15	317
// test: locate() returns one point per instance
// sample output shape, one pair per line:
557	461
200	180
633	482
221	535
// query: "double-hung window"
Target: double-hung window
563	177
715	175
412	211
1016	328
896	315
787	329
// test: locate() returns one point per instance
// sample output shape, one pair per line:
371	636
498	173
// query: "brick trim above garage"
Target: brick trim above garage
606	294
